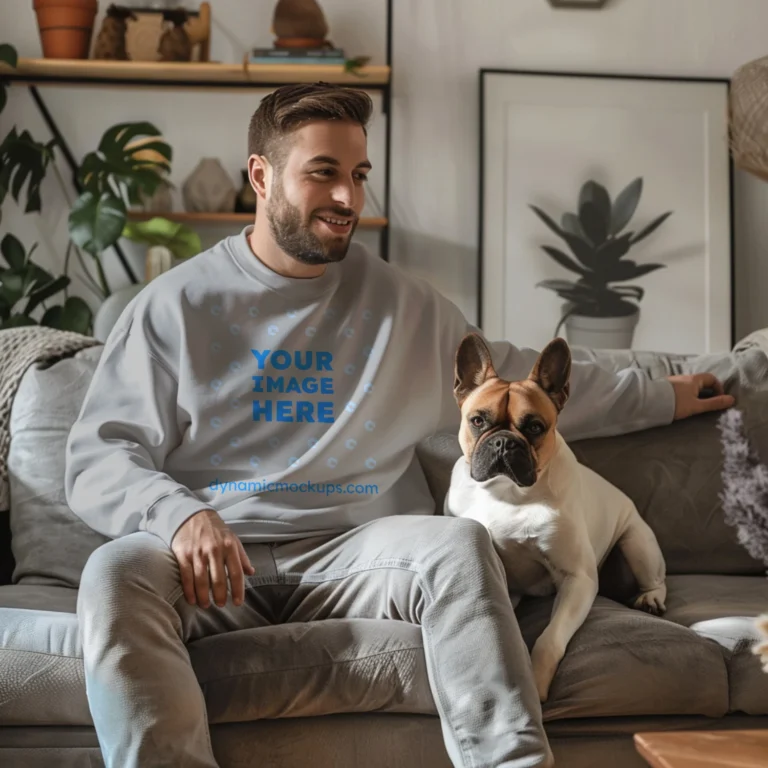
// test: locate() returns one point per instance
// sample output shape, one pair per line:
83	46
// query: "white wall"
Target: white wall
439	46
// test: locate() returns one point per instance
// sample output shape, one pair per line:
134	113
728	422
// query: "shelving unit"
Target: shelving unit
191	74
205	76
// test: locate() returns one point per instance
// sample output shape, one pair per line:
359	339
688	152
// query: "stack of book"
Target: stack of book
297	56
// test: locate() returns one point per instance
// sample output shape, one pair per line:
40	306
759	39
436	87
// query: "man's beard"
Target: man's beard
296	238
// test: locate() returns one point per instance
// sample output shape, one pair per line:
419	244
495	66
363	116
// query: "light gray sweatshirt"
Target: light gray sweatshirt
291	406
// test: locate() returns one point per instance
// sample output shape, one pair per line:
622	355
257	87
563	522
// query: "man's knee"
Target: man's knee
461	558
467	536
137	559
461	540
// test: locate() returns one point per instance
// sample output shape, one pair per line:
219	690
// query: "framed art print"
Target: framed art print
605	211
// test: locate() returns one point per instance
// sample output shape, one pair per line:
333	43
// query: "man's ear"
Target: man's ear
260	175
473	366
552	371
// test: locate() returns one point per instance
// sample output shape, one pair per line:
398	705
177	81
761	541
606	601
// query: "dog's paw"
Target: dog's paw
545	658
652	601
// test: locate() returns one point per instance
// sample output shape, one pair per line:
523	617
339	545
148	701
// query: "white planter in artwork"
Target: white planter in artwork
602	332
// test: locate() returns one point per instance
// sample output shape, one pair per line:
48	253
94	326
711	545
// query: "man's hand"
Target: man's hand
207	551
687	389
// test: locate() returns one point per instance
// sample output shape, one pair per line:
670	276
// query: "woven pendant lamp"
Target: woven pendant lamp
749	117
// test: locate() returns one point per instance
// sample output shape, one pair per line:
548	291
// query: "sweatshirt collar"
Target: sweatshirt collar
298	287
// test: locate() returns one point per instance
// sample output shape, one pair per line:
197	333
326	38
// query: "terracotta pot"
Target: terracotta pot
66	27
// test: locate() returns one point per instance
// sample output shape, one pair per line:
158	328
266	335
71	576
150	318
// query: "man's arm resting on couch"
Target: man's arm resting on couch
602	403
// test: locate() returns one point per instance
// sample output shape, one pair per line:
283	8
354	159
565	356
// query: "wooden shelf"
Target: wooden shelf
366	222
186	74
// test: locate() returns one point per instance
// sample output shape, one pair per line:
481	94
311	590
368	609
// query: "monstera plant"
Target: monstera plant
598	240
122	171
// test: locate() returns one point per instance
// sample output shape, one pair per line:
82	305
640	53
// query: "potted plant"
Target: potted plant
167	242
66	27
597	313
112	177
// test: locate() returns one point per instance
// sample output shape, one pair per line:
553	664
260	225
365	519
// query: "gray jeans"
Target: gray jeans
440	573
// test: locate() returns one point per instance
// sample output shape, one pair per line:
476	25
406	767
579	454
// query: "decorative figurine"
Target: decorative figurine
110	43
299	24
175	44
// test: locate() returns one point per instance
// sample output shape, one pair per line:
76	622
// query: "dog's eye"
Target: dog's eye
477	421
535	428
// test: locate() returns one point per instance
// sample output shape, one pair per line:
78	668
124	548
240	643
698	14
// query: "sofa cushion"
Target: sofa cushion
50	543
723	610
623	662
41	666
289	670
672	473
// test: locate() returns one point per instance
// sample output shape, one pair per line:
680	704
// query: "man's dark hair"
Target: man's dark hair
287	107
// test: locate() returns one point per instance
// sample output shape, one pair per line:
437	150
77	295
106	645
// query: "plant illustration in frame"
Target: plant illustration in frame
599	241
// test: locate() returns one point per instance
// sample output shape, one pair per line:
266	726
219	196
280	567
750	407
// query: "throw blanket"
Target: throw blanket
20	348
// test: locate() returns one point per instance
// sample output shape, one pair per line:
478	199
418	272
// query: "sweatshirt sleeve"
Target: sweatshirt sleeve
127	425
602	403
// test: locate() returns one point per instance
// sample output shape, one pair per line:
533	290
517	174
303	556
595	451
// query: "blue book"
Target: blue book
290	53
295	60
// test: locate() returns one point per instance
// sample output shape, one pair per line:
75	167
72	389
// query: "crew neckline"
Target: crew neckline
304	287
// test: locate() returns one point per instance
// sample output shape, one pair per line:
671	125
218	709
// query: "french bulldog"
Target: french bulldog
552	520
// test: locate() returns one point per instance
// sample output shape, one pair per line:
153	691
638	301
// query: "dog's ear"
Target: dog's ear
552	371
473	366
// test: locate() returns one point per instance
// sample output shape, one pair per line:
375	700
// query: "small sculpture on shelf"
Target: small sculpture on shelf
246	197
110	42
175	44
209	189
299	24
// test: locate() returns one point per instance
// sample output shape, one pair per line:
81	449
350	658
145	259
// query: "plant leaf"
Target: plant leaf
625	205
76	316
8	55
592	221
11	287
115	163
13	252
597	195
557	285
655	224
41	294
582	250
613	250
644	269
120	134
22	158
550	222
563	260
96	223
16	321
571	224
52	317
180	239
628	270
630	290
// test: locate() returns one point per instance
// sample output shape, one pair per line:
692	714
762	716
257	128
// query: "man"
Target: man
253	420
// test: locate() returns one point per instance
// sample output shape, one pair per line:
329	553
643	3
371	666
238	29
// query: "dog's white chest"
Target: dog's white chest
529	540
547	532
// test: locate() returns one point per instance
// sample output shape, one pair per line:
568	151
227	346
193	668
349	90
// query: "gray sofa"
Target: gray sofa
355	693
